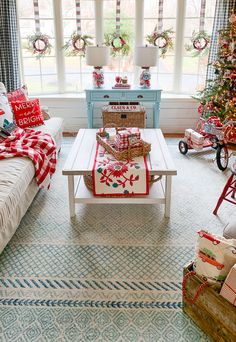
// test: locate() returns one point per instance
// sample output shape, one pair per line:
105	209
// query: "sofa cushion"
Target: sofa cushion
4	105
17	173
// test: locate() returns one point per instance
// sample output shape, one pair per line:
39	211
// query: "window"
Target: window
77	73
162	74
39	74
120	65
194	69
58	73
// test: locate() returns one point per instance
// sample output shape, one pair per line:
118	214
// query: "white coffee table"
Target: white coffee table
80	162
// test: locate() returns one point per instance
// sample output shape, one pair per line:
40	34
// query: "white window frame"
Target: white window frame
99	30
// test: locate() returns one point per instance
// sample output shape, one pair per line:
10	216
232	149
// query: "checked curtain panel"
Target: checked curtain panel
9	50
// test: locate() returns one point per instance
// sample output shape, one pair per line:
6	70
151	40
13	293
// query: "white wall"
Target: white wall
176	114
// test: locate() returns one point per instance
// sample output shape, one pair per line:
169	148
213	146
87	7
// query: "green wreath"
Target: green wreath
166	40
76	45
118	43
200	44
39	44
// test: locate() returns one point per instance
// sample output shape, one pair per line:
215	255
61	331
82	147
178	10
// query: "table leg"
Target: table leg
167	195
156	111
71	189
90	114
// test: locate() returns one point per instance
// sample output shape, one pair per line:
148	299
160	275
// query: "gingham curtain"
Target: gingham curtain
222	12
9	49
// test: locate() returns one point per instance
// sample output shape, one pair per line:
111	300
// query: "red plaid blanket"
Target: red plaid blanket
37	146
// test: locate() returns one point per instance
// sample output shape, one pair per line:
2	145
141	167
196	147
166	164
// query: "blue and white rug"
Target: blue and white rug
114	272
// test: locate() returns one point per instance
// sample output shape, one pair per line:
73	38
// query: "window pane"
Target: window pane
121	64
45	8
164	70
75	66
151	9
86	9
194	68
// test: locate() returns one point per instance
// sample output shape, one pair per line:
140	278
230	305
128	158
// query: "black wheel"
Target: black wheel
222	157
183	147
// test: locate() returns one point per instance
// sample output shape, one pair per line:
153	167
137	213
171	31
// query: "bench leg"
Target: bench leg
71	190
167	196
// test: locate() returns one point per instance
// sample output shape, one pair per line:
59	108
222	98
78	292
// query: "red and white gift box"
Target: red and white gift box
123	146
126	134
195	139
127	137
228	290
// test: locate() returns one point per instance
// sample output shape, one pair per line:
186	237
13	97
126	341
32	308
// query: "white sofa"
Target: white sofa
18	186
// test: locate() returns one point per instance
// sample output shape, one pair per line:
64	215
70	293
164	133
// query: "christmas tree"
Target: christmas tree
219	96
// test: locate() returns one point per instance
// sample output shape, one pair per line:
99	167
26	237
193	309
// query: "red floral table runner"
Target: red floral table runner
112	177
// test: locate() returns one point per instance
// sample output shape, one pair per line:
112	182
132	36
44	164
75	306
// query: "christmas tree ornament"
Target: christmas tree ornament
162	39
118	41
76	45
38	43
200	40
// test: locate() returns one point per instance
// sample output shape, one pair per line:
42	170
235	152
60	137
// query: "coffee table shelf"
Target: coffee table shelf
84	195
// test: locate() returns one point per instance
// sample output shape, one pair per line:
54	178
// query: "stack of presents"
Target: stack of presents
209	286
126	138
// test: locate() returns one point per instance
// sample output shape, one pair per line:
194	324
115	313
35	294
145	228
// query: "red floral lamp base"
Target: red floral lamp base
98	77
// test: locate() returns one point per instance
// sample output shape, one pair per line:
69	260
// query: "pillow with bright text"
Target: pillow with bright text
27	113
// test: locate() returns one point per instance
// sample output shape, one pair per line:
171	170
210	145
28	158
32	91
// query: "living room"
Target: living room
117	170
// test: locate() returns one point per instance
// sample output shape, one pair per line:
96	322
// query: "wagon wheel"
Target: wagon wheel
183	147
222	157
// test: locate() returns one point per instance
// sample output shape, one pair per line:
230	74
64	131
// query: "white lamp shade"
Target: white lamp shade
97	56
145	56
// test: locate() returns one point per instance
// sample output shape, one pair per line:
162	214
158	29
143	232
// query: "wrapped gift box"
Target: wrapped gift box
126	134
196	139
228	290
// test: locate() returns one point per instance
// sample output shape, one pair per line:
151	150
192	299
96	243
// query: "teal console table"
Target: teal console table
123	95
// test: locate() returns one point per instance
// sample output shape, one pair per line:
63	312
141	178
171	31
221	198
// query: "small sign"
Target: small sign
122	108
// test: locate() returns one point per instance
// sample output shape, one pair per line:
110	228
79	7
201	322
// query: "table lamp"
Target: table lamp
97	56
145	56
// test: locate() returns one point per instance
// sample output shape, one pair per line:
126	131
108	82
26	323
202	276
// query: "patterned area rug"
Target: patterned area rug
114	272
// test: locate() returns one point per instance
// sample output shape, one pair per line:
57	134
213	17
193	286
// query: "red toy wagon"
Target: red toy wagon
210	133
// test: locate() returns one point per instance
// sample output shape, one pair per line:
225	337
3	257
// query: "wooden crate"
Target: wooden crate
211	312
124	119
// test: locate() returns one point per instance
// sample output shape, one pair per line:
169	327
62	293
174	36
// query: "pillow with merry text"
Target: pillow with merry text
27	113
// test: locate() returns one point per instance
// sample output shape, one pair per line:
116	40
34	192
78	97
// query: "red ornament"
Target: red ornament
118	79
200	108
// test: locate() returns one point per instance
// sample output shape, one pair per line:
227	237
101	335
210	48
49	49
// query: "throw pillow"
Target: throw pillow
27	113
20	94
5	107
45	113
